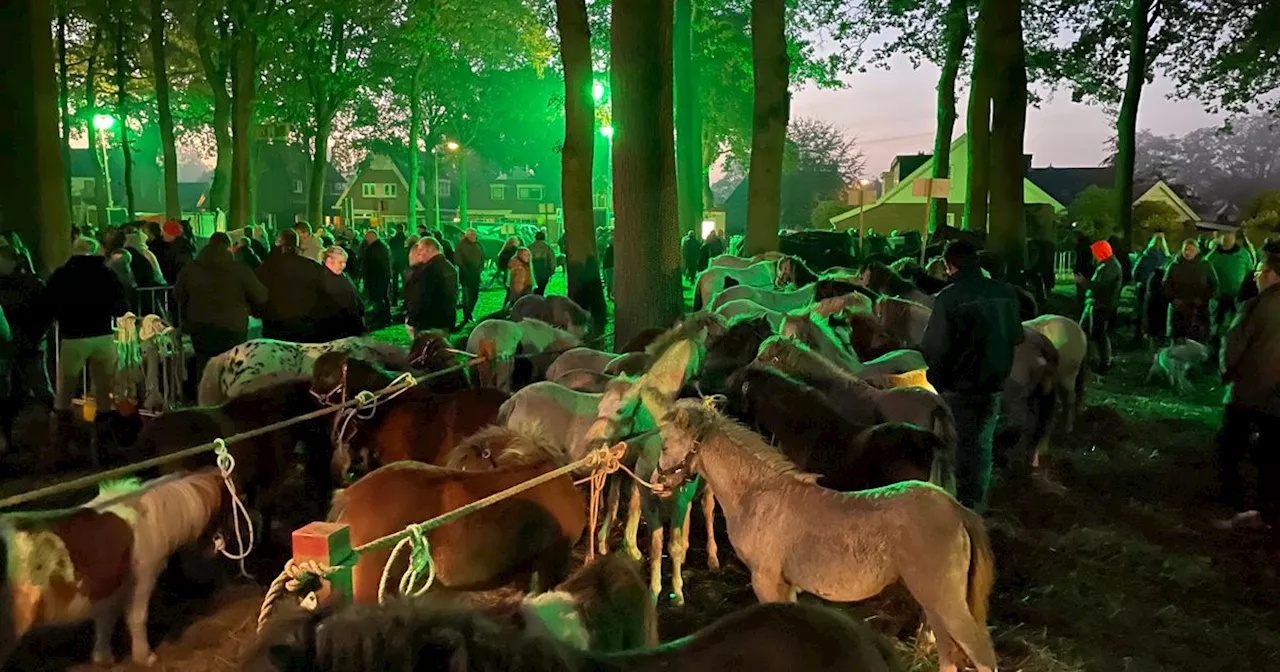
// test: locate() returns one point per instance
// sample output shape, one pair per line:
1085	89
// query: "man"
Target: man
544	262
1251	420
445	248
85	295
23	300
309	245
1189	283
296	296
430	289
377	276
1082	268
470	258
712	247
344	314
1102	299
968	345
1233	264
215	294
173	250
689	248
395	243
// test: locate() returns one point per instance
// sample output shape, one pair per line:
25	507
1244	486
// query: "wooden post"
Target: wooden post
328	544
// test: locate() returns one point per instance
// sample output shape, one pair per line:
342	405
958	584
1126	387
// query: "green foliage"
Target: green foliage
1231	55
1094	212
825	210
1262	213
1153	216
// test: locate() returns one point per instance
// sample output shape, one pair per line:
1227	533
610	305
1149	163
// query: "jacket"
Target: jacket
85	295
469	257
172	255
544	258
296	294
215	290
969	341
311	248
1105	285
519	277
1152	259
376	266
1251	354
1190	282
22	296
345	313
1232	267
431	295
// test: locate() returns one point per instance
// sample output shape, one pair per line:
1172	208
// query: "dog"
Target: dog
1174	361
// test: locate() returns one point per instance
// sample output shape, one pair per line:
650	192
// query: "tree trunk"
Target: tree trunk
215	73
122	118
688	119
64	95
243	72
979	123
33	197
464	220
168	143
101	188
646	233
415	139
769	124
320	167
1127	122
1007	235
957	36
577	161
708	158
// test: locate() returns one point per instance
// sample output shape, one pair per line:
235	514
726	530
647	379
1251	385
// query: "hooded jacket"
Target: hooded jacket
216	290
1232	267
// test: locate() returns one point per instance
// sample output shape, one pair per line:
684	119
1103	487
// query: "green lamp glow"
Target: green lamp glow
607	131
103	122
597	91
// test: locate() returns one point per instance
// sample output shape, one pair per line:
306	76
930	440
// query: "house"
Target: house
900	209
283	172
1066	184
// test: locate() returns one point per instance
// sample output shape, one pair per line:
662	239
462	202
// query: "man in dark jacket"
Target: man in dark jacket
968	345
544	261
1189	283
173	250
470	259
1251	420
1102	301
689	249
344	315
399	258
215	294
430	289
296	296
85	295
377	276
22	296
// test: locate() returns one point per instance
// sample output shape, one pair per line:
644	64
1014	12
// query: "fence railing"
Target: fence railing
1064	264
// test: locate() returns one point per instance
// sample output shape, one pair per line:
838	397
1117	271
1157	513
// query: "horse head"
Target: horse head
500	447
685	424
338	376
430	352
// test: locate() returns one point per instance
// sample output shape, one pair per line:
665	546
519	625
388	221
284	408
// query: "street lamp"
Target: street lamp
104	123
607	132
862	210
597	91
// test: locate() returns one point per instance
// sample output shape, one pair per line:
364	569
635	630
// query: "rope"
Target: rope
294	578
118	472
599	476
226	466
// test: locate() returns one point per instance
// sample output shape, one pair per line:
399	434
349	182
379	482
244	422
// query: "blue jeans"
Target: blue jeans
976	418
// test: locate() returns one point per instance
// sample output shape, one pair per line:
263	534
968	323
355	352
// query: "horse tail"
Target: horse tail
209	392
982	565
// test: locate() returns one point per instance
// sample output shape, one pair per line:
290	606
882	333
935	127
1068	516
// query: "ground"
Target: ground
1123	571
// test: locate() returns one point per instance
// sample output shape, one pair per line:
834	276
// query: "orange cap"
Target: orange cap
1101	250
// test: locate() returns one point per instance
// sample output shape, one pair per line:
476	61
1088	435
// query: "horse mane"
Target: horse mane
686	329
800	271
894	310
509	447
805	360
389	355
704	424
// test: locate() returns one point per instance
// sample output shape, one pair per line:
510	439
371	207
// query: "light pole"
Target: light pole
451	146
862	210
607	132
104	123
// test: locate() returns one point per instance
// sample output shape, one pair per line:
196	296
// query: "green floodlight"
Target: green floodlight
103	122
452	146
597	91
607	132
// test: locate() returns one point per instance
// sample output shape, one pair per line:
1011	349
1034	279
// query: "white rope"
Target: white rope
227	465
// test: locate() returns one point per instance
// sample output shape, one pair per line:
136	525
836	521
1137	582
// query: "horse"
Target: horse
583	380
641	341
563	415
262	362
431	352
558	311
887	281
1029	399
904	320
814	436
1073	349
746	308
262	463
416	424
794	535
413	635
589	359
706	322
855	398
822	338
499	341
730	351
103	558
780	300
533	531
836	285
628	363
716	278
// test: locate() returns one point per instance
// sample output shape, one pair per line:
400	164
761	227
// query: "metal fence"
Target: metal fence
1063	265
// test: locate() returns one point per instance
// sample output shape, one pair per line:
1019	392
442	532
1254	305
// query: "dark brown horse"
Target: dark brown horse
533	531
730	351
431	353
418	424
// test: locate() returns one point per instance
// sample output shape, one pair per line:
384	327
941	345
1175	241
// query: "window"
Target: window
297	186
445	187
529	192
368	190
389	190
498	192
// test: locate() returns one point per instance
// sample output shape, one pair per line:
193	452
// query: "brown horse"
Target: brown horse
418	424
533	531
431	353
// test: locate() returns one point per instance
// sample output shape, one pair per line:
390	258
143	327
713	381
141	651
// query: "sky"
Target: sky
892	112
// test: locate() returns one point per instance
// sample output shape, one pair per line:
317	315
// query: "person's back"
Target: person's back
1106	284
971	335
431	294
544	257
295	293
85	294
216	290
469	256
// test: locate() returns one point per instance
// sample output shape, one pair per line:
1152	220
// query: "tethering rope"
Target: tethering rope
227	466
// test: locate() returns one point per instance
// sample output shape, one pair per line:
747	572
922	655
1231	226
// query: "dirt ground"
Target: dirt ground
1122	571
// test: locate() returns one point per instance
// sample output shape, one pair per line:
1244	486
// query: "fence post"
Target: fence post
330	545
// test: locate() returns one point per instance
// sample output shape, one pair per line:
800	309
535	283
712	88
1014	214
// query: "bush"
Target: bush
823	211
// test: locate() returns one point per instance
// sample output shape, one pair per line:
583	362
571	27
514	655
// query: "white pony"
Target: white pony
263	362
712	280
499	341
780	300
1073	347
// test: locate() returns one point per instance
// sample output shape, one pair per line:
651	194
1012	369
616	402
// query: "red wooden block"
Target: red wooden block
329	544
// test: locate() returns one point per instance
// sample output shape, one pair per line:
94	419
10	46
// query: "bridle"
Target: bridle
340	389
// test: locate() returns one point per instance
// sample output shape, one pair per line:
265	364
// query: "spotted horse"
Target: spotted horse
263	362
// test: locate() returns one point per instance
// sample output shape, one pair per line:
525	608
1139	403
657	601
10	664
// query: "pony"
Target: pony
432	353
716	278
746	308
583	380
499	341
416	424
822	339
794	535
887	281
640	341
730	351
706	322
629	364
792	271
1172	363
855	398
588	359
530	532
732	261
563	415
414	635
1073	348
837	285
1029	399
102	559
262	362
903	320
558	311
779	300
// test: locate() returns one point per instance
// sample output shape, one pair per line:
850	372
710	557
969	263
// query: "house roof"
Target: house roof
908	163
1162	191
1065	184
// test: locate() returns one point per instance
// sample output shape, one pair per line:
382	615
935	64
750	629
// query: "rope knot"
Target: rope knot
714	402
225	460
364	398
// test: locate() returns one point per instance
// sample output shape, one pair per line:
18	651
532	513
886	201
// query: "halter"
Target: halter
326	398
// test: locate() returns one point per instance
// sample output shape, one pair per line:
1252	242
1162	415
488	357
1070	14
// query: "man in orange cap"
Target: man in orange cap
1102	299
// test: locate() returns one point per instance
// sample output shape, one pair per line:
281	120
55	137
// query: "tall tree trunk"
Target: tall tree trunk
101	188
244	70
214	65
708	158
646	233
957	36
64	94
688	119
1127	122
1007	235
415	139
320	167
164	114
979	123
577	160
464	218
122	117
770	114
32	193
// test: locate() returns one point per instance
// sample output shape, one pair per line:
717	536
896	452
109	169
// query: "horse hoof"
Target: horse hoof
104	659
147	660
713	564
635	554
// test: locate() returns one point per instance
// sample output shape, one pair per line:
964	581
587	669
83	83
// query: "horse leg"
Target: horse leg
947	610
948	651
679	546
1068	393
655	561
104	626
136	616
632	530
709	513
610	515
769	586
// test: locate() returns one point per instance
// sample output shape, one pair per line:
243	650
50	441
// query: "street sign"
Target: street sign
928	187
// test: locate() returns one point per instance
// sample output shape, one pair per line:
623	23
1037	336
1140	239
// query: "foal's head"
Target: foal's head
338	376
430	351
499	447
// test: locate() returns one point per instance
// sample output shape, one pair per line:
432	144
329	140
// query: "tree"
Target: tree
822	161
1230	56
1007	233
956	36
646	233
1094	212
982	82
1262	213
1216	164
210	27
824	211
164	113
770	112
581	261
688	118
1156	217
123	69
